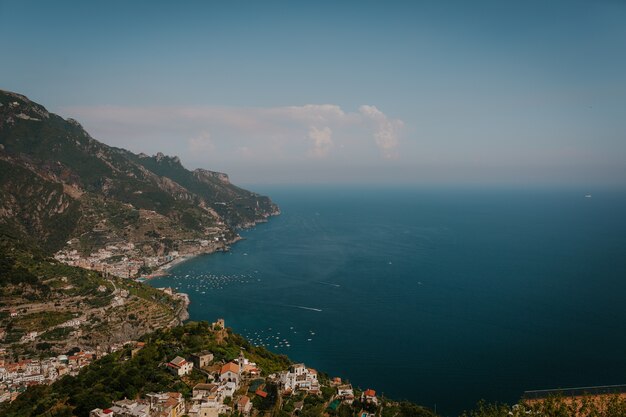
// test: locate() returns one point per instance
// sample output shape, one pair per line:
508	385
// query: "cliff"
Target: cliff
60	185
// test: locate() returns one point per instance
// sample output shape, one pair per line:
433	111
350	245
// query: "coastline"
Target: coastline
164	270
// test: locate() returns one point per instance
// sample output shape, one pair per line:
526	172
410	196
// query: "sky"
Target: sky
385	92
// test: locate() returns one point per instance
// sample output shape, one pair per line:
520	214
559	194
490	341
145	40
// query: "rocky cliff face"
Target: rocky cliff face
57	183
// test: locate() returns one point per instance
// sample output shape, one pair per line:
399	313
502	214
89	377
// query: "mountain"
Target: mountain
47	308
91	203
69	201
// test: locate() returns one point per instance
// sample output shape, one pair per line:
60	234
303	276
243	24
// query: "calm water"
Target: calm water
440	297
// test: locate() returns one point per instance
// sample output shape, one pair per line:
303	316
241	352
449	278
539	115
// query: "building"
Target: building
179	366
369	397
204	410
247	368
228	389
166	404
230	373
98	412
244	405
345	393
202	359
299	378
130	408
205	392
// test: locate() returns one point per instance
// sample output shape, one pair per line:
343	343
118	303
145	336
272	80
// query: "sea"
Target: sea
441	296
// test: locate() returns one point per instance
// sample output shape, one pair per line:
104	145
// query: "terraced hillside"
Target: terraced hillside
49	307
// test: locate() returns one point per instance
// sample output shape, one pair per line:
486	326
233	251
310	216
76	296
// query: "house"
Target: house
228	389
230	373
204	410
298	369
244	405
98	412
167	404
71	323
251	370
369	397
201	391
202	359
162	404
134	408
219	324
336	381
345	393
299	378
179	366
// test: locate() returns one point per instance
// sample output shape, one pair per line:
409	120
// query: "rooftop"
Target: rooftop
230	367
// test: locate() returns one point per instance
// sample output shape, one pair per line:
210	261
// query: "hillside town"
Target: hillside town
125	259
238	387
16	377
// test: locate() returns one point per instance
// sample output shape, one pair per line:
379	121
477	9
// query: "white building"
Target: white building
231	372
179	366
299	377
345	393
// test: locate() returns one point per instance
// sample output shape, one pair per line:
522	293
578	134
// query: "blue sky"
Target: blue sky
426	92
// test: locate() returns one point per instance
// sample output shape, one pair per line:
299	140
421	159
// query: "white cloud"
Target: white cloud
322	141
386	134
272	135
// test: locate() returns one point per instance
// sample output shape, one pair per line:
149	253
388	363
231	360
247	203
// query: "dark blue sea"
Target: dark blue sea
439	296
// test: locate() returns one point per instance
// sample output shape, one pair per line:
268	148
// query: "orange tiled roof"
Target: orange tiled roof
230	366
370	393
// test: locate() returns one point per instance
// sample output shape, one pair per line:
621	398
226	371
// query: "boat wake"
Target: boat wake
329	283
304	308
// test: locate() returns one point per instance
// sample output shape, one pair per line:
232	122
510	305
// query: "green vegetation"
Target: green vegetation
56	293
587	406
42	320
118	375
121	375
405	409
32	270
59	333
58	183
234	204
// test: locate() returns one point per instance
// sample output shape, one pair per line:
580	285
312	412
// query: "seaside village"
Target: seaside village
237	388
15	377
230	388
126	260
